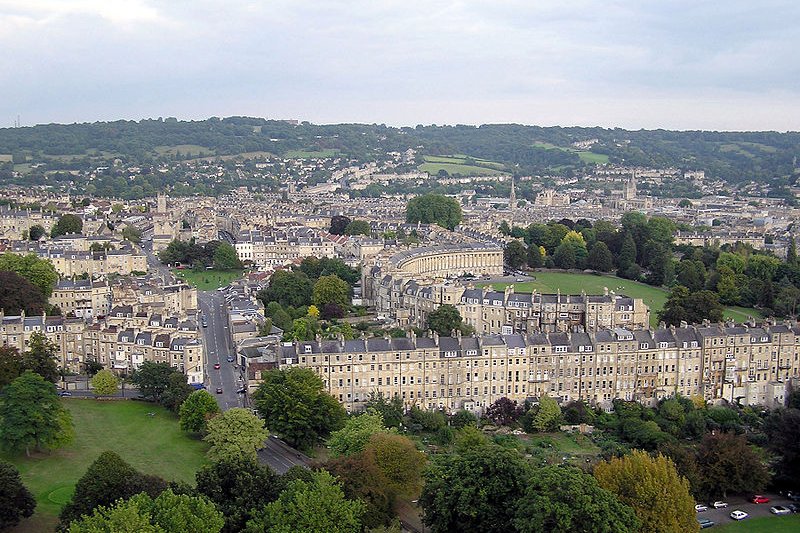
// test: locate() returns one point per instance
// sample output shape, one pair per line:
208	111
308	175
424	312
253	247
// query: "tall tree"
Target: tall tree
18	295
782	428
626	261
41	357
197	410
108	479
338	224
10	365
31	416
515	254
67	224
399	462
564	500
294	404
503	411
548	415
289	289
318	506
391	410
105	383
235	433
238	486
729	464
36	232
653	488
152	379
358	227
40	272
475	490
16	501
225	257
434	209
444	320
355	434
600	258
331	290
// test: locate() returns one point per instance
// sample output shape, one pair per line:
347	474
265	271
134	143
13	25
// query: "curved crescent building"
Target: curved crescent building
448	260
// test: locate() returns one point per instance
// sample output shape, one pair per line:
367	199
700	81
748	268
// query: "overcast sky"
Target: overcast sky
693	64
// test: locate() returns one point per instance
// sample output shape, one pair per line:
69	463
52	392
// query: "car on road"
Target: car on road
700	508
219	390
230	359
759	499
240	391
65	393
204	323
779	509
719	505
705	522
216	366
520	280
739	515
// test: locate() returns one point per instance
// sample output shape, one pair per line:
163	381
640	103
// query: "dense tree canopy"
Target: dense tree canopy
40	272
197	410
294	404
67	224
653	488
16	501
434	209
444	320
32	417
235	433
18	295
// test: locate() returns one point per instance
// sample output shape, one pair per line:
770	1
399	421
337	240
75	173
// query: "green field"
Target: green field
151	444
304	154
208	280
574	283
763	524
460	165
591	157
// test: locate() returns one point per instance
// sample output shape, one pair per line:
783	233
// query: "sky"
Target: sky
673	64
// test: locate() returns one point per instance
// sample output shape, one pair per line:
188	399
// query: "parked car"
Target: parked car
700	508
216	366
230	359
719	505
794	507
779	509
739	515
65	393
793	495
219	390
705	522
759	499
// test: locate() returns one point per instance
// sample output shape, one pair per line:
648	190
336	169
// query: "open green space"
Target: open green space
207	280
306	154
573	443
461	165
762	524
591	157
153	444
574	283
185	149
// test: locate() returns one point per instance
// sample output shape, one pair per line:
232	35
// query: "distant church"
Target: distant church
628	200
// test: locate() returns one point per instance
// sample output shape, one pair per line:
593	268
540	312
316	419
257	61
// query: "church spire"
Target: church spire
512	198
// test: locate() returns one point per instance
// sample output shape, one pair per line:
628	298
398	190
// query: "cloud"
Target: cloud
437	61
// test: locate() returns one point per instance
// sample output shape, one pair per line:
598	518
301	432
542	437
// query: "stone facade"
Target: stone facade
751	365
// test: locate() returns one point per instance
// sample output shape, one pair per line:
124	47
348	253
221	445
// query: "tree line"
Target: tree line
703	279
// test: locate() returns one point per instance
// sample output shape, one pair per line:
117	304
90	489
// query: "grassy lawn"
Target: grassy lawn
763	524
208	280
151	444
304	154
573	283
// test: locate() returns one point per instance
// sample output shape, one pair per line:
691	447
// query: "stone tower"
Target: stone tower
512	198
630	188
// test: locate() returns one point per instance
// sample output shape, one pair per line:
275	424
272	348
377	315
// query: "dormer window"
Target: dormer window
307	348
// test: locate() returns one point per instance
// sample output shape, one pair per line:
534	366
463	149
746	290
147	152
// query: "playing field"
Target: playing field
458	165
574	283
208	280
152	444
305	154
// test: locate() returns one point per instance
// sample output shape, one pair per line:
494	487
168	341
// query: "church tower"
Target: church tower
630	188
512	198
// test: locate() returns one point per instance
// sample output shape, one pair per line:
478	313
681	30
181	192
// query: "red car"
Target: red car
759	499
216	366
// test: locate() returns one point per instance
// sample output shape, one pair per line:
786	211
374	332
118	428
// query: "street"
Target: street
218	346
280	457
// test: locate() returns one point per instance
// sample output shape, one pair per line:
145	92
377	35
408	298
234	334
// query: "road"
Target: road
280	457
722	516
218	346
